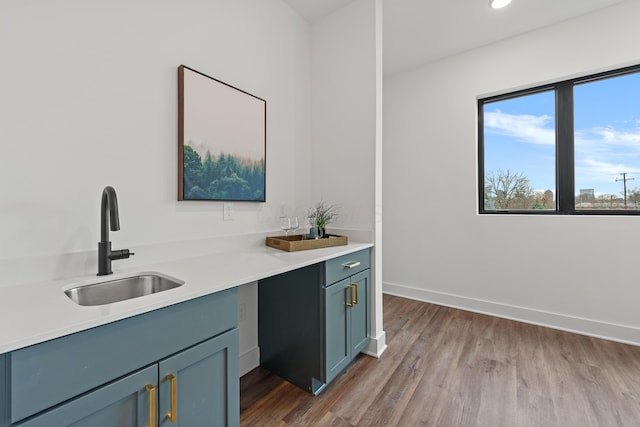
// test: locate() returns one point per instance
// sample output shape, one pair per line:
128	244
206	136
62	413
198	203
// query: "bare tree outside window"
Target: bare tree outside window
633	197
508	190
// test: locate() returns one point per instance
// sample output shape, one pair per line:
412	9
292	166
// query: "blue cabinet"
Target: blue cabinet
314	320
178	363
191	388
347	322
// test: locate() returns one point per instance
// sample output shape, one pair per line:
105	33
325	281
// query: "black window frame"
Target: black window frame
564	144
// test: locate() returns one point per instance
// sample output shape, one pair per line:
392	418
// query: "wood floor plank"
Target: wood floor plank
434	384
354	407
447	367
391	402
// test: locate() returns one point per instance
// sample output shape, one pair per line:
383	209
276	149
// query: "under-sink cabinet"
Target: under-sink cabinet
173	366
313	321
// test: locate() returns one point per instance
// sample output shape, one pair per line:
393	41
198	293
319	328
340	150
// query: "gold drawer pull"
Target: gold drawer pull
173	414
351	264
152	405
350	302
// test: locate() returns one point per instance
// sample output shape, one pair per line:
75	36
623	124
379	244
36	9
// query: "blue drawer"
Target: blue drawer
344	266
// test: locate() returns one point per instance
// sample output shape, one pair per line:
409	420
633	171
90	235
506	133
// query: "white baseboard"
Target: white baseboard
377	345
249	361
594	328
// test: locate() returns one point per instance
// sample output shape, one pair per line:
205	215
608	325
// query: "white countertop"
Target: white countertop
30	314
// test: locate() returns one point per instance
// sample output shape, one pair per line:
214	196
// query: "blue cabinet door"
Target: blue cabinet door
123	403
205	384
360	314
337	329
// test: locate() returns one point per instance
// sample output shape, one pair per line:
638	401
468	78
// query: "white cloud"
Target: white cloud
609	136
603	153
522	127
599	168
605	171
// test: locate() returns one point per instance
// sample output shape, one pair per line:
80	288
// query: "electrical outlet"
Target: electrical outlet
227	212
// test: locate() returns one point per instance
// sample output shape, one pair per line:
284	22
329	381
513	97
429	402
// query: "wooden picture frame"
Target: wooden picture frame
221	140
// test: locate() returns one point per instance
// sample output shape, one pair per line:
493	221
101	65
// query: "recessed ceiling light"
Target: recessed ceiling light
497	4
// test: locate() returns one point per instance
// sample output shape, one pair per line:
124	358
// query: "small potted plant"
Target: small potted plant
320	216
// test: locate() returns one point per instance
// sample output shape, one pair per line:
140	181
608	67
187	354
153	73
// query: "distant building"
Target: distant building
587	194
547	200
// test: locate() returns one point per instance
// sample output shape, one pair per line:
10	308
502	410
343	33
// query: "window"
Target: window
572	147
519	152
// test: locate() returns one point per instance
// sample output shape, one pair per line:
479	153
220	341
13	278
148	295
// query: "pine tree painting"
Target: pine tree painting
222	140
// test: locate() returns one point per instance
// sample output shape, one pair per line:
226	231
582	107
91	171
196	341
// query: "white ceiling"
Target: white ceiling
420	31
312	10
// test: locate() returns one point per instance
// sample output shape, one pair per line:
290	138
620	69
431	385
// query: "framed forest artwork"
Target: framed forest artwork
221	140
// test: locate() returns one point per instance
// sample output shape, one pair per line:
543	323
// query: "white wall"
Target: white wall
574	272
88	98
344	111
346	67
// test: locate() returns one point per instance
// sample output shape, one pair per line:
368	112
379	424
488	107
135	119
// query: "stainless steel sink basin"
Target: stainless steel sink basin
122	289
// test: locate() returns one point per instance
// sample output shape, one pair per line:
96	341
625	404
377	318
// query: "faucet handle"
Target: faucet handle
120	254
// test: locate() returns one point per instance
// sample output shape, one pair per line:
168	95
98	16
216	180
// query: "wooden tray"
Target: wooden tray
295	243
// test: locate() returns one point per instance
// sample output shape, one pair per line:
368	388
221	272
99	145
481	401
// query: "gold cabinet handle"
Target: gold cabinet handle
355	285
152	405
173	414
351	264
350	301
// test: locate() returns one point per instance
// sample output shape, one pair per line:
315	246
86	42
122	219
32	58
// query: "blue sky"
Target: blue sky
520	136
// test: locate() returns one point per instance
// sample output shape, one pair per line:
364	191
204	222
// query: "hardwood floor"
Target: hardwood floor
447	367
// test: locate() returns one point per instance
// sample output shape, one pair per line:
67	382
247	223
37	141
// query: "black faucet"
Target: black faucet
105	254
